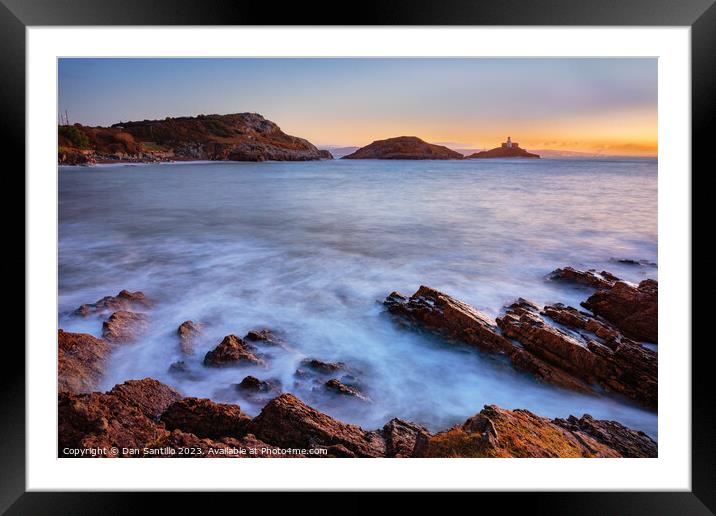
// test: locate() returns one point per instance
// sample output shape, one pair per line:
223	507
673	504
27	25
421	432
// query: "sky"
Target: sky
594	105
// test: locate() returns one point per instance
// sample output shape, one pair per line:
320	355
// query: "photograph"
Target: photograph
357	257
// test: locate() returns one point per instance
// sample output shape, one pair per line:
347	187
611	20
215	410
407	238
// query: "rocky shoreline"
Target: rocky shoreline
597	352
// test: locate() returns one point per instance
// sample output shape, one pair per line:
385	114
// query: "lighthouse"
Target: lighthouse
509	144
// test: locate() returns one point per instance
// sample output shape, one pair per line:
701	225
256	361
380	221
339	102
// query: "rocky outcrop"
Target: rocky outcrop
125	300
598	358
433	310
251	384
586	324
97	420
205	418
322	367
503	152
632	309
440	313
236	137
182	369
188	332
124	326
325	154
264	337
232	351
496	432
148	395
551	343
403	147
287	421
614	363
627	442
338	387
590	277
81	359
405	439
148	419
114	419
178	444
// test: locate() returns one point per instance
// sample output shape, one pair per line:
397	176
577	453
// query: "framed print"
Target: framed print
428	248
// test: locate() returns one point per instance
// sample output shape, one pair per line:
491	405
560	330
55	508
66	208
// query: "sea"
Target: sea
311	249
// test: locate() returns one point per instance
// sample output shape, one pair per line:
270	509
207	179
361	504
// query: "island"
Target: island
508	149
403	147
234	137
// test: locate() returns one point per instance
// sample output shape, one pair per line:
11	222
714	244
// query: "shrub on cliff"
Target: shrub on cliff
74	135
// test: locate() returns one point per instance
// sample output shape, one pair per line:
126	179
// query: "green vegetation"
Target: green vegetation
75	135
154	147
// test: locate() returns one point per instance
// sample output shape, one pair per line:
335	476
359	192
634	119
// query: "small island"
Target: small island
403	147
508	149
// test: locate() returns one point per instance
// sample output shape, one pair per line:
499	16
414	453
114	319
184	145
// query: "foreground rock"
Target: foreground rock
124	326
188	332
628	442
586	324
338	387
121	418
148	419
182	369
205	418
614	363
125	300
232	351
98	420
442	314
125	422
251	384
82	357
264	337
590	277
148	395
403	147
178	444
80	361
405	439
633	309
322	367
433	310
287	421
600	358
496	432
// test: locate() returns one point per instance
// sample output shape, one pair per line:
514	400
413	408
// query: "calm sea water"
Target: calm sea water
310	249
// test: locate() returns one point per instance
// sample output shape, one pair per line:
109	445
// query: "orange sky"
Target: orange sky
629	134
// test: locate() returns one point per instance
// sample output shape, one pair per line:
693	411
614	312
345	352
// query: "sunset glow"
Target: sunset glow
600	106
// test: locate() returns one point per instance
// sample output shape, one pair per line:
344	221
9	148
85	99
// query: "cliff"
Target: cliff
236	137
503	152
403	147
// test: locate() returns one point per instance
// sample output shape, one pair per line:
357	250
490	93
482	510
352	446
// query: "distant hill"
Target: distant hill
403	147
503	152
238	137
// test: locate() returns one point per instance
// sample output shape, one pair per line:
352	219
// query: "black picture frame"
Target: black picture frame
17	15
